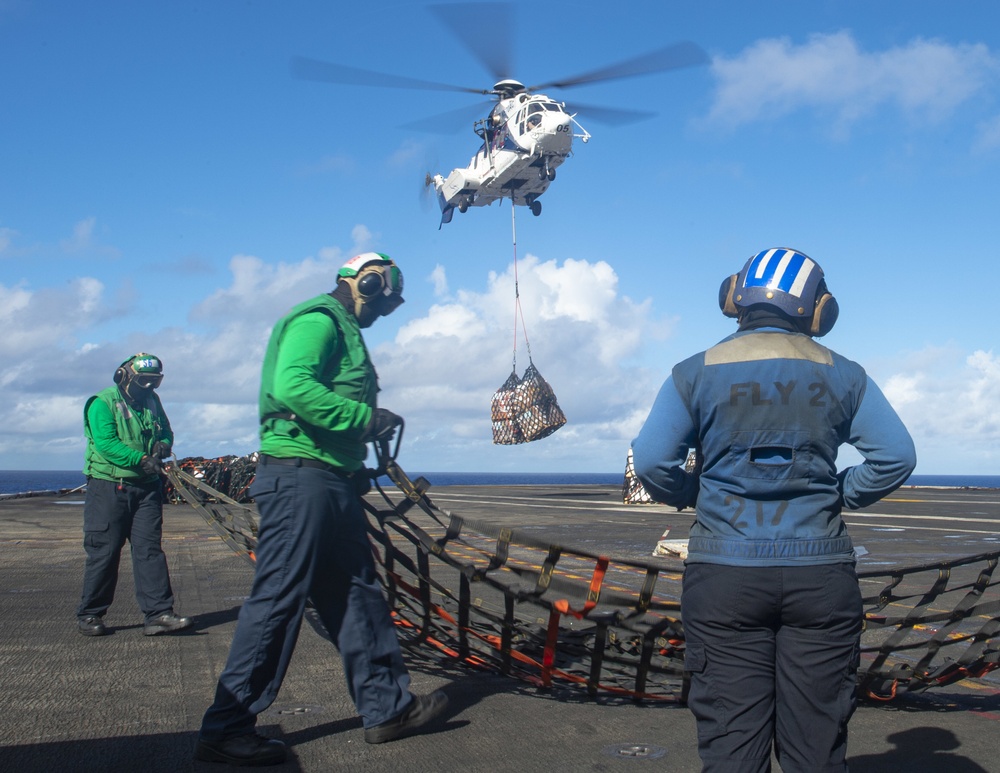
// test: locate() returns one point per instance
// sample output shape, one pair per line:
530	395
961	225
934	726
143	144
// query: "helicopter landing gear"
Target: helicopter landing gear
547	173
463	206
531	201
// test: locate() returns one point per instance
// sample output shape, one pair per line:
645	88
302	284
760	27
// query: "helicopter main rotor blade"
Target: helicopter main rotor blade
610	116
450	122
328	72
485	29
685	54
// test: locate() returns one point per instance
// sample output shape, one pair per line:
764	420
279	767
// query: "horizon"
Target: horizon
508	473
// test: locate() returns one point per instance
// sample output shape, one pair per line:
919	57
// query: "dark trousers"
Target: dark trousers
773	655
112	514
312	543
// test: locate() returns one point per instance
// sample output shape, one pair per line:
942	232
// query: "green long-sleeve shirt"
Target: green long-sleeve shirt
120	434
317	368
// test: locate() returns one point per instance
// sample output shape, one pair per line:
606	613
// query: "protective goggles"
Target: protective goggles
148	380
382	282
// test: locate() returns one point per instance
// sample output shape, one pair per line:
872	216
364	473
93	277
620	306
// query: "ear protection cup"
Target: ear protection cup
121	375
824	315
726	296
370	284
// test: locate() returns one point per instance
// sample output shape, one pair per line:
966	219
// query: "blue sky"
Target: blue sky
166	185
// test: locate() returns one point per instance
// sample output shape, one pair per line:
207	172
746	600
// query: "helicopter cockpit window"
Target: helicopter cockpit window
534	118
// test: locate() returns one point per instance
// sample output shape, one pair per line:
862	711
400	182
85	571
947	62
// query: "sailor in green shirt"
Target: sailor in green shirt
128	435
317	411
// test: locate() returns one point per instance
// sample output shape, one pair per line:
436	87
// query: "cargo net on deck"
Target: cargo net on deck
555	616
525	409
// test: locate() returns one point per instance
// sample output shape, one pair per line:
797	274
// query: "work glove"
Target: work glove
151	465
161	449
362	481
382	427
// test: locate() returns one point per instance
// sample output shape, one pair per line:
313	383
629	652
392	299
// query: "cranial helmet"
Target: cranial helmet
138	374
787	281
376	285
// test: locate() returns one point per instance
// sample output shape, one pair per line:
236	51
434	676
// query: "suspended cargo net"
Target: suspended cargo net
525	409
493	598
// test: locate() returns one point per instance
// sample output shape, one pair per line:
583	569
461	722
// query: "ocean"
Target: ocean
22	481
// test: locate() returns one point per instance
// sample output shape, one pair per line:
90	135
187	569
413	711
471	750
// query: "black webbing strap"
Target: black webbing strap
286	415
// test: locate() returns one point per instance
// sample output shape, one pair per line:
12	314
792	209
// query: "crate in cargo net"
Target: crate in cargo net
525	409
633	492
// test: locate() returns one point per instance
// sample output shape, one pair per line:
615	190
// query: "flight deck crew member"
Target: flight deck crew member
128	435
771	606
317	412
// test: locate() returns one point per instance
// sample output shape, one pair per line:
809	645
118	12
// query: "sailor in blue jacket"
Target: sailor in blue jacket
771	606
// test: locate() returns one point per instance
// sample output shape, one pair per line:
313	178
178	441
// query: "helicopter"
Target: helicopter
525	138
526	135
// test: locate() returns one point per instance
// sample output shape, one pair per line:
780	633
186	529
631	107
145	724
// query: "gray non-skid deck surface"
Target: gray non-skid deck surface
127	702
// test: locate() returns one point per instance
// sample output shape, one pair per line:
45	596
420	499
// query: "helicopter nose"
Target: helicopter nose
556	135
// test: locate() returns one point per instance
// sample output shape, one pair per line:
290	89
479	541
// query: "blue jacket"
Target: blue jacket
769	410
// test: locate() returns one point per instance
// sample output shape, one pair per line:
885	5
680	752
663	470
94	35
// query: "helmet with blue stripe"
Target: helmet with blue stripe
787	281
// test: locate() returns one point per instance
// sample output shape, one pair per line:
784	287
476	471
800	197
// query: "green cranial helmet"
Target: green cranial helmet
141	370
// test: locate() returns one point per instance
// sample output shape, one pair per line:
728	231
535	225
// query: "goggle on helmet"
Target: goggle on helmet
374	277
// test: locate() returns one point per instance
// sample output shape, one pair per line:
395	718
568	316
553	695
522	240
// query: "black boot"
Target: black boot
423	709
250	750
91	625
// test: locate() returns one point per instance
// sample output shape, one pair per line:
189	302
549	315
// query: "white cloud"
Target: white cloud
950	402
441	371
452	321
363	239
773	78
439	279
265	291
49	318
596	347
83	232
12	301
6	237
988	136
407	154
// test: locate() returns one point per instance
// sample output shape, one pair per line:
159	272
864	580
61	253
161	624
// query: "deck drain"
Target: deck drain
635	751
294	711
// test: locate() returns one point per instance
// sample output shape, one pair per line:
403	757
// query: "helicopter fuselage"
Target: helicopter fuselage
525	138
